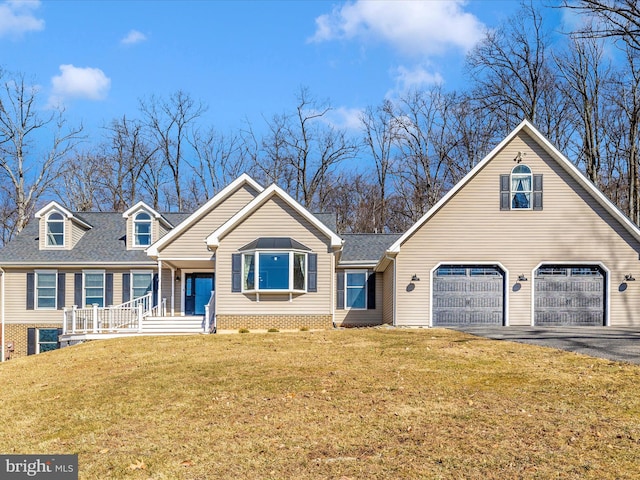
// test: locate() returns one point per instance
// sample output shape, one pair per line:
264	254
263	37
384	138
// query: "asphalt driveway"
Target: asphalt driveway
620	344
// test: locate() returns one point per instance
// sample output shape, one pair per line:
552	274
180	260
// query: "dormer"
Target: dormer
144	226
59	228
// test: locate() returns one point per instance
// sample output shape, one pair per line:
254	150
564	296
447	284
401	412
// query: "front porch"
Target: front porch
136	317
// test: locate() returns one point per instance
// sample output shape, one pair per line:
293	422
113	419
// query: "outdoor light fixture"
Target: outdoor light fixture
522	278
177	278
415	278
629	278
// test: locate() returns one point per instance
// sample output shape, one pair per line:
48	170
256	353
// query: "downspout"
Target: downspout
2	272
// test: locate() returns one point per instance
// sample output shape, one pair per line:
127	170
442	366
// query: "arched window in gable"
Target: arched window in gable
521	187
55	230
142	229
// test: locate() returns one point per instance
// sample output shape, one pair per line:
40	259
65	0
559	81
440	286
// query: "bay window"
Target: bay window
280	271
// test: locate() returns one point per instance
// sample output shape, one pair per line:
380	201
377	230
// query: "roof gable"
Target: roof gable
53	205
217	199
555	155
213	240
141	206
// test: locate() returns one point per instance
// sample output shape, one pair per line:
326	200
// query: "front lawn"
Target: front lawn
346	404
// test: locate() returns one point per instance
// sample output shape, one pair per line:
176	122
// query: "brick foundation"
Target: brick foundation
17	333
281	322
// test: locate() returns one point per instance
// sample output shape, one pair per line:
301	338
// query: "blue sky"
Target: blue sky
244	59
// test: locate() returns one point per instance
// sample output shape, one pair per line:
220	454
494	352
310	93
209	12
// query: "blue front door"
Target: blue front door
198	288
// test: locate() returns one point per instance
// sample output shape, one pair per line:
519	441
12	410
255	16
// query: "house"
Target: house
523	239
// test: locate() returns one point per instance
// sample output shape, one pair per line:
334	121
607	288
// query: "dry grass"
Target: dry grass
336	404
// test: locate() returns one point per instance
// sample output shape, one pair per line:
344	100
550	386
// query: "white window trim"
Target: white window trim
256	269
346	288
513	192
35	289
139	272
134	221
84	287
46	230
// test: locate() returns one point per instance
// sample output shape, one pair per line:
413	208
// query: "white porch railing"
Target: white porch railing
209	322
127	316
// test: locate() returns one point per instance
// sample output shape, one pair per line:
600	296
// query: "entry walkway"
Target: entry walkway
620	344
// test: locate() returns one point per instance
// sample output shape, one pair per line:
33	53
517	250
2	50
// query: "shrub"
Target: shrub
273	330
243	330
304	329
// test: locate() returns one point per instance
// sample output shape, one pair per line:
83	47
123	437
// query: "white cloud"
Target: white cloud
345	118
407	79
412	27
133	37
17	17
76	82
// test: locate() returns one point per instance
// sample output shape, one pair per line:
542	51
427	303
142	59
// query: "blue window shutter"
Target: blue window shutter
340	290
126	287
108	289
61	290
312	282
537	191
31	279
155	289
77	294
236	272
505	192
371	291
31	341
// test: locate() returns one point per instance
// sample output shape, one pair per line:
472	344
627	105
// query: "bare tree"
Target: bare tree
129	153
586	77
617	19
510	68
82	182
218	159
379	137
169	121
305	150
32	147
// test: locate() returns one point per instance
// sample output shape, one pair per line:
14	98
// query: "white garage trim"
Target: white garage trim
607	285
468	263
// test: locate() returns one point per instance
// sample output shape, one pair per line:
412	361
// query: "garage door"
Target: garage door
569	295
468	295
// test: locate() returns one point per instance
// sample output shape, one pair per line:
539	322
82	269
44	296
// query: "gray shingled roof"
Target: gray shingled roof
104	243
366	247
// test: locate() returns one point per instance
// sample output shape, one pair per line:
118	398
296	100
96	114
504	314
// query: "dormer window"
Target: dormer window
55	230
142	230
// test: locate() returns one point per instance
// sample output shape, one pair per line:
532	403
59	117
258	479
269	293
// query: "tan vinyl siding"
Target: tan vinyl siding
471	228
365	317
387	293
16	293
191	242
162	231
274	219
76	234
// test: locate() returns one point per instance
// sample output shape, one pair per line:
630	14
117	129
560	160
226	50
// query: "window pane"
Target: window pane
46	290
48	335
94	289
356	291
141	284
274	271
249	271
55	232
46	280
143	233
299	269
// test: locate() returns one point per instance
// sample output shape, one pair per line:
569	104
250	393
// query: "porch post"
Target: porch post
159	283
173	290
95	318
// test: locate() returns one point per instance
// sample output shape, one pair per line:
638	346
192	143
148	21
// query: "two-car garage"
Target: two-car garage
564	295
